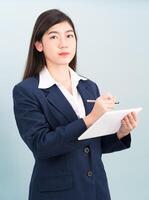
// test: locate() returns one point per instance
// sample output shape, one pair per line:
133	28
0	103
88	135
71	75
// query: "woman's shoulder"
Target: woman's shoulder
89	82
29	82
91	85
30	85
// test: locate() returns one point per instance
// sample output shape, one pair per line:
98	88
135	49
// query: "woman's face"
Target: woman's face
58	44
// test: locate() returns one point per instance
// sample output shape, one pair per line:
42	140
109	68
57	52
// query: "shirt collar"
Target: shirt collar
46	80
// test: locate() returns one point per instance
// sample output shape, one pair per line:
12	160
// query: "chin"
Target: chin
64	62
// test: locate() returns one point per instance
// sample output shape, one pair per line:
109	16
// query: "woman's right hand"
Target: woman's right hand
102	104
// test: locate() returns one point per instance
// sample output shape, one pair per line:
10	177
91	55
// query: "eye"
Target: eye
53	37
70	36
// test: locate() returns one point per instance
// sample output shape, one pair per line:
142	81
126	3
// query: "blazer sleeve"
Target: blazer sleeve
112	143
35	130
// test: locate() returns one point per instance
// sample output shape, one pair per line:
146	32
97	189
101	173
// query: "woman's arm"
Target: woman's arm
122	139
35	130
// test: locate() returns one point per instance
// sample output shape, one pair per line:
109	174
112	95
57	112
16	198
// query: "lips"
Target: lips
64	53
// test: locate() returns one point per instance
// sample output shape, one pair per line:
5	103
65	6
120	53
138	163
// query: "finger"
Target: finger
109	104
134	115
109	101
110	108
107	96
132	120
128	124
125	126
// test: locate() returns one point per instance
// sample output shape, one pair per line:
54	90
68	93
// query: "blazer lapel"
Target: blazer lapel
85	94
59	101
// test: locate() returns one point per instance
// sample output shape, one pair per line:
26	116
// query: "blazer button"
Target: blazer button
86	149
90	173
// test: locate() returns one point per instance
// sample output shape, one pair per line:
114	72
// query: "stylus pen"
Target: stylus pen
93	101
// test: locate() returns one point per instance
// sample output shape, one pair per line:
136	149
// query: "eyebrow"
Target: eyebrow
68	31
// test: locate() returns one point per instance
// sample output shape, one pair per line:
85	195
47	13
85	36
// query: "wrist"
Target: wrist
120	135
89	120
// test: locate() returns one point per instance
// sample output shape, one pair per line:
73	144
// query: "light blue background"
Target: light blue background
113	50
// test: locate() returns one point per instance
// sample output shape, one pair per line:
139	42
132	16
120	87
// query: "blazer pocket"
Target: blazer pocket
55	183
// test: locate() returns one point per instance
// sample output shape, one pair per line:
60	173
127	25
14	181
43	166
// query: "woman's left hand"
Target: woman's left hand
129	122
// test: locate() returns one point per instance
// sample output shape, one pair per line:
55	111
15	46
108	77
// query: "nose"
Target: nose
62	43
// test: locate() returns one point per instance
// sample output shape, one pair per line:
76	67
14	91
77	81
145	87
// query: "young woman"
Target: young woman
51	111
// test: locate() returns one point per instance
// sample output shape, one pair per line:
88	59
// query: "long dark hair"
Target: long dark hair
36	60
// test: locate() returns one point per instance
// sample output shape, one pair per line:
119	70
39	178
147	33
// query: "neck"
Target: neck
60	73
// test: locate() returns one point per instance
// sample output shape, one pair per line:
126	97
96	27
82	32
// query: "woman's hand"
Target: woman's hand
102	104
129	122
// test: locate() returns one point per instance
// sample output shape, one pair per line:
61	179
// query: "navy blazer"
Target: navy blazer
65	168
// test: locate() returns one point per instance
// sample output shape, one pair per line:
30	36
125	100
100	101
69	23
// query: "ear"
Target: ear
39	46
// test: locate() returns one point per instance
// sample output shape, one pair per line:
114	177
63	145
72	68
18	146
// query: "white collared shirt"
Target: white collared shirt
46	80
